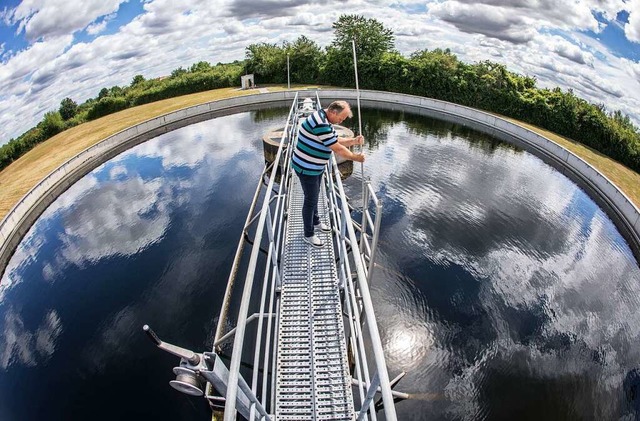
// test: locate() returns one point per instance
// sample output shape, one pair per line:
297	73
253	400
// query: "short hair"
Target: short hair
339	106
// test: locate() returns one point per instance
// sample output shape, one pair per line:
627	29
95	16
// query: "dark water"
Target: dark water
502	290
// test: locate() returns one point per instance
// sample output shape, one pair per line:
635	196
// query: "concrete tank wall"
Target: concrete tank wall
18	221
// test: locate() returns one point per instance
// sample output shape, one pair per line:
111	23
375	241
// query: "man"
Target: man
316	140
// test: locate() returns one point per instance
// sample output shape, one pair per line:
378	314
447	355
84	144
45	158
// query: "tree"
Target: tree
201	66
117	91
371	37
372	41
103	92
137	79
51	124
268	61
68	109
304	59
178	72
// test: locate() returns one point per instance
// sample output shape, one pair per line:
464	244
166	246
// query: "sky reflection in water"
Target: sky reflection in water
145	238
502	290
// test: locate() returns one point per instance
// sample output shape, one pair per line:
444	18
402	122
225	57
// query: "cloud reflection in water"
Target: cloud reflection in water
119	210
515	271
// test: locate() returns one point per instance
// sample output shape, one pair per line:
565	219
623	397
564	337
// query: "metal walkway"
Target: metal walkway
313	380
305	343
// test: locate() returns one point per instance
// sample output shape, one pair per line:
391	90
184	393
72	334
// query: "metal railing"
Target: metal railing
270	220
254	398
354	279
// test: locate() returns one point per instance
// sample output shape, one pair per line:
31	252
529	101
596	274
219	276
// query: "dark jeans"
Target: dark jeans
311	187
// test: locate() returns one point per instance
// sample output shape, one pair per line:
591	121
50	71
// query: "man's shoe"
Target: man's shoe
314	241
322	227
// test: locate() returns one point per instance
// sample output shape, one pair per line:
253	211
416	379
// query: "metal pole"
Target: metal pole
222	320
371	393
355	67
364	200
288	77
376	229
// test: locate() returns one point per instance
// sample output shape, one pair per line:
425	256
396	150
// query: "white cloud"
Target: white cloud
52	18
570	51
634	69
539	13
632	29
494	22
171	34
233	27
26	62
97	27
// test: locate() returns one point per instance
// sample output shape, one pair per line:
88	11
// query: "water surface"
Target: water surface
502	289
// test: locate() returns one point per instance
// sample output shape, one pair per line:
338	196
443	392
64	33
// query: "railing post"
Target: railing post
376	233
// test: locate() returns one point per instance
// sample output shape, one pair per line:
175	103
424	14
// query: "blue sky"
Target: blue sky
52	49
614	39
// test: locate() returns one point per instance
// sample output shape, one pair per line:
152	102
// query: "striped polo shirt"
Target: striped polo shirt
312	151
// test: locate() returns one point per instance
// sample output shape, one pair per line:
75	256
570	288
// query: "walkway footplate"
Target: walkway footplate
313	380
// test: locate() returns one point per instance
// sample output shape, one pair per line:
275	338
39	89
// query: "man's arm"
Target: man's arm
351	141
344	152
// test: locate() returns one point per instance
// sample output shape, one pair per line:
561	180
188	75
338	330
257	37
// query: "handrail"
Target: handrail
234	369
361	290
340	210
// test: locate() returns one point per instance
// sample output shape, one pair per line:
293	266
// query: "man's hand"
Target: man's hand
357	157
358	140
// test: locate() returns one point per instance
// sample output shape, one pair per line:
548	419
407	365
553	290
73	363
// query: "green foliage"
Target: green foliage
201	66
51	124
431	73
390	74
178	72
15	148
68	108
372	39
137	80
304	60
107	105
267	62
337	68
220	76
117	91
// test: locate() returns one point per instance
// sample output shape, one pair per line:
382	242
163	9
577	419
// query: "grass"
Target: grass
23	174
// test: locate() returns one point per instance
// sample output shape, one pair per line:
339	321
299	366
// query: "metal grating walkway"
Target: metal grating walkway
313	380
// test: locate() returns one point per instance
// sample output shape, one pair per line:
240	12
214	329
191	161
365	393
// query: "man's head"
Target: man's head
338	111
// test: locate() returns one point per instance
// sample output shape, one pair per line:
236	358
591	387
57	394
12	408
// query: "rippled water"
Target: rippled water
502	290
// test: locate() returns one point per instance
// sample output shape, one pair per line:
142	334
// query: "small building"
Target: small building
247	81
